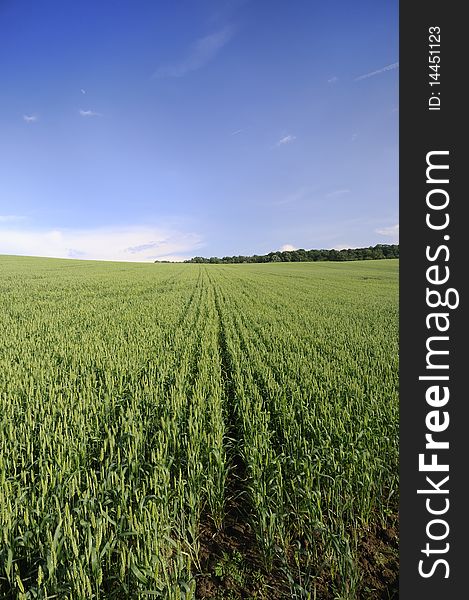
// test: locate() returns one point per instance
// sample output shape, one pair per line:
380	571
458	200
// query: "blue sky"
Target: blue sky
138	130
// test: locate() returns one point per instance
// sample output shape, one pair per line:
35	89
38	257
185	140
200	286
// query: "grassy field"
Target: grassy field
198	431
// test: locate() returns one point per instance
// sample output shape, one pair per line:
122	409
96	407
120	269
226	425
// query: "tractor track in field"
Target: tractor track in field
234	544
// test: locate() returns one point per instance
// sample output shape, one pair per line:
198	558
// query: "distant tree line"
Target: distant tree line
369	253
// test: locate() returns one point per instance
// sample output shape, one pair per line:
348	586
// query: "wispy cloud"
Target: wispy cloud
378	71
393	230
337	193
89	113
29	118
10	218
287	247
130	244
237	132
143	247
286	140
83	91
333	79
300	195
200	53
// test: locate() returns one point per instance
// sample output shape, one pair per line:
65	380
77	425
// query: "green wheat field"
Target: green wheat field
189	431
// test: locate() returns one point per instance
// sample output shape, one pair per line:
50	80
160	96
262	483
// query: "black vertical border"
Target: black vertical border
422	131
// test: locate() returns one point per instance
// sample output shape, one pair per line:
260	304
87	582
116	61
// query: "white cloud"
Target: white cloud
237	132
202	52
130	244
89	113
173	257
378	72
29	118
392	231
287	247
333	79
344	247
83	91
286	140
